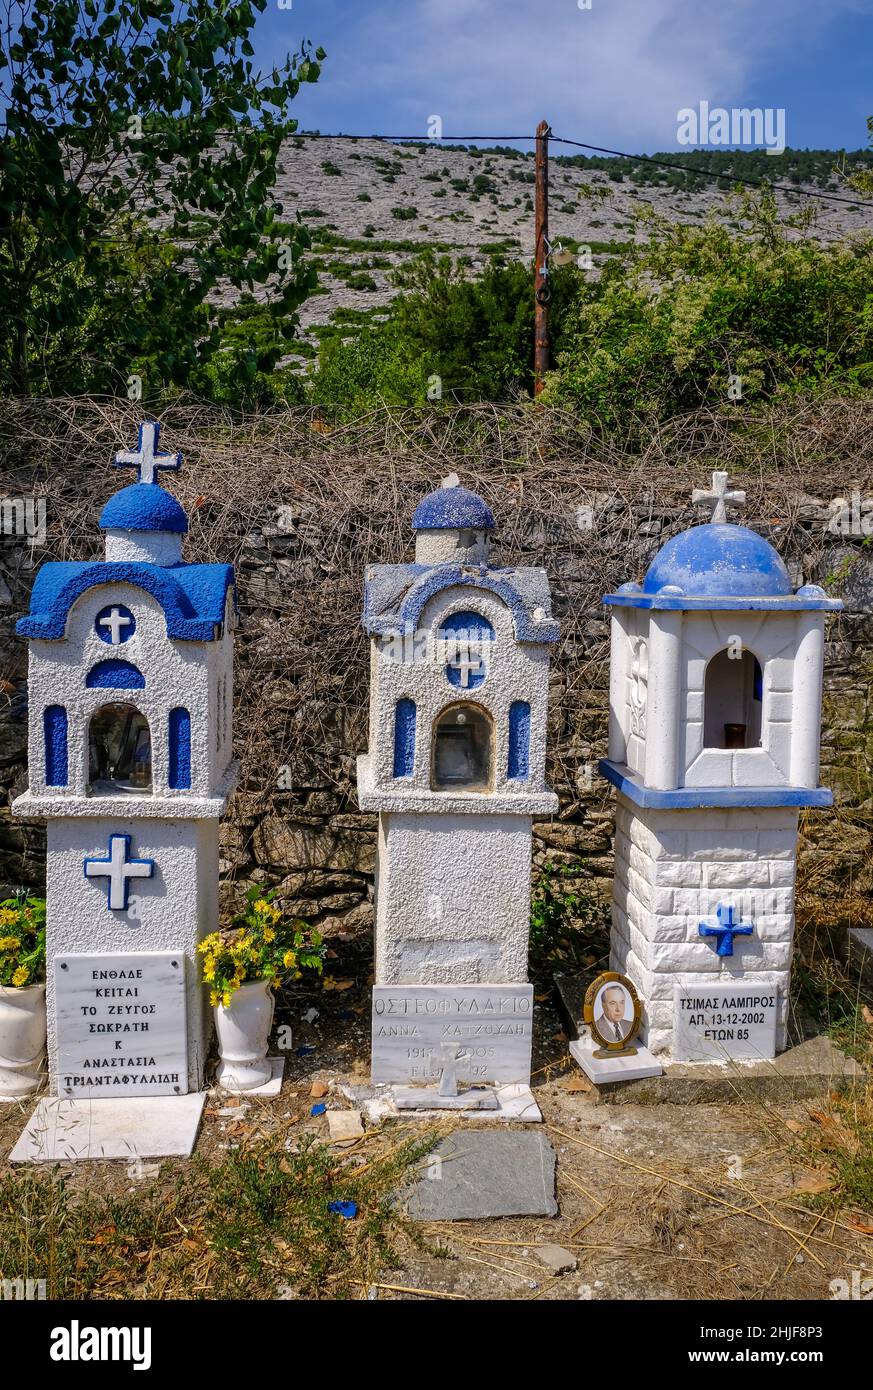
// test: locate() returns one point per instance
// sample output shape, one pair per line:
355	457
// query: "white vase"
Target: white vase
22	1040
243	1028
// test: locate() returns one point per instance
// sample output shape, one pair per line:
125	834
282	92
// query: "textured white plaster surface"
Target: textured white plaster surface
515	671
198	676
151	547
453	866
445	545
399	797
130	805
171	911
453	899
175	828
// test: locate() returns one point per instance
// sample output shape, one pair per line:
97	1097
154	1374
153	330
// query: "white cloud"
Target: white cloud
615	74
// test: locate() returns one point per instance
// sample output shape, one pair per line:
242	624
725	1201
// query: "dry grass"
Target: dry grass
254	1224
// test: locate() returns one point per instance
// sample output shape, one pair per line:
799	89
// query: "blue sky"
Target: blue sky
615	74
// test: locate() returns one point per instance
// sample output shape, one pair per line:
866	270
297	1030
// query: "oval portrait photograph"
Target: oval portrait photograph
612	1010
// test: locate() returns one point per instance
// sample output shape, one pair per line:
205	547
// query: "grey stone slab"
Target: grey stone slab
121	1024
479	1174
719	1021
571	997
859	952
145	1127
413	1024
812	1068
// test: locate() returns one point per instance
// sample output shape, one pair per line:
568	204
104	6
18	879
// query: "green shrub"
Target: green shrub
673	318
369	369
359	280
476	335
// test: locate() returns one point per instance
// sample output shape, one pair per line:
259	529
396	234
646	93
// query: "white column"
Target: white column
806	705
664	700
619	656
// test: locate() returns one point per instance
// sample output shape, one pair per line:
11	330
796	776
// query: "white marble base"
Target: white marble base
269	1088
514	1102
429	1098
602	1070
148	1127
20	1100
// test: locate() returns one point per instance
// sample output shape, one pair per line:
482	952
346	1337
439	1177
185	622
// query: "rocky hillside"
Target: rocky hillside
372	205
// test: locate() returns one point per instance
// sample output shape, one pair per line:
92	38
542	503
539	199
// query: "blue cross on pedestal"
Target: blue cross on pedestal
145	457
119	869
726	930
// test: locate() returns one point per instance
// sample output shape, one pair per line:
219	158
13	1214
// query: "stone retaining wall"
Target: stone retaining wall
301	525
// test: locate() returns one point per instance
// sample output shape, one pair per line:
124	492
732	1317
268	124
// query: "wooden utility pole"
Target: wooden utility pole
542	288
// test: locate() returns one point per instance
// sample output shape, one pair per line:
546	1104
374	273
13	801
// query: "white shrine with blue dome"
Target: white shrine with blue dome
456	769
130	726
714	729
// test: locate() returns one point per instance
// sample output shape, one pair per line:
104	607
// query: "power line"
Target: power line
707	173
596	149
400	139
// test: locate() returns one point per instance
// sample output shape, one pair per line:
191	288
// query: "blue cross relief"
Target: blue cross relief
145	458
119	869
726	930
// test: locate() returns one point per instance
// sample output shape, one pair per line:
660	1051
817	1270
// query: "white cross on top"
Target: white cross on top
717	498
119	870
115	622
145	457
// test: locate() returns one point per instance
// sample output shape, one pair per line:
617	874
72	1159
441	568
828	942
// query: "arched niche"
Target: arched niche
462	752
119	751
733	700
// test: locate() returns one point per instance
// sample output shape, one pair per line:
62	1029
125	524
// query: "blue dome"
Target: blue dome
143	507
452	509
718	561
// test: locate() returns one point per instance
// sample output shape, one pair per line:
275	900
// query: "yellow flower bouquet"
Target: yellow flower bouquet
260	945
22	941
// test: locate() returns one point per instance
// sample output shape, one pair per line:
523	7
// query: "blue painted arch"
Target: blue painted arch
115	674
468	622
435	581
192	597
